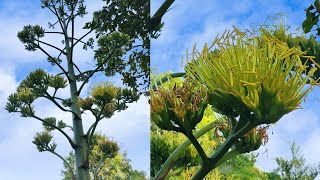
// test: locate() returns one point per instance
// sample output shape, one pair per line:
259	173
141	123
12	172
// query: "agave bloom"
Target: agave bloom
179	108
262	81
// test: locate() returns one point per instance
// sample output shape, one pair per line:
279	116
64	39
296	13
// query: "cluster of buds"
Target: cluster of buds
252	140
179	108
106	98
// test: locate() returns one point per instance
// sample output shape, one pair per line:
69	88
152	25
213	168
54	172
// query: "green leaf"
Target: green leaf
317	4
307	25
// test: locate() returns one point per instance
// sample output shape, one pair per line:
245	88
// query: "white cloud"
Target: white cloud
311	147
300	126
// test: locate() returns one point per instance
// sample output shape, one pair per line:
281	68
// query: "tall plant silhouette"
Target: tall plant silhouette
123	44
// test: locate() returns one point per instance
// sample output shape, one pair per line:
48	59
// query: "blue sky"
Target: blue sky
197	22
19	157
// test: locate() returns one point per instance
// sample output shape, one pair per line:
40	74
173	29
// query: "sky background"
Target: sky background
192	22
19	158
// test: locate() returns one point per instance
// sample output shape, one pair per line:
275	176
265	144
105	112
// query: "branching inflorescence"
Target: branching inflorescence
251	79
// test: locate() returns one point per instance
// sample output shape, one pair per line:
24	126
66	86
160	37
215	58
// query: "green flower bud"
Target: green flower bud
25	95
105	92
86	103
179	109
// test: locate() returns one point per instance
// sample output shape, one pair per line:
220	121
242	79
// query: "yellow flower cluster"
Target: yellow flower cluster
257	75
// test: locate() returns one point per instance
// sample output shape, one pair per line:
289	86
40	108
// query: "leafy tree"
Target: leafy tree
244	76
296	168
107	162
122	37
312	18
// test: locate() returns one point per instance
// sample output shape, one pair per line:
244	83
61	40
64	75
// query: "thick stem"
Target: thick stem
196	144
82	166
222	150
166	78
177	152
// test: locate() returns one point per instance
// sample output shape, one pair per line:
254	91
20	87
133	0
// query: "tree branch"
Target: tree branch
76	67
57	15
60	21
222	150
94	125
155	20
79	40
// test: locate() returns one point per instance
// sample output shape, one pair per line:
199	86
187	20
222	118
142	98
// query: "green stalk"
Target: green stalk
177	152
166	78
222	151
82	167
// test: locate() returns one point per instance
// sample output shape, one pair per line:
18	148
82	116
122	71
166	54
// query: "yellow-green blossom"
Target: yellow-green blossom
257	75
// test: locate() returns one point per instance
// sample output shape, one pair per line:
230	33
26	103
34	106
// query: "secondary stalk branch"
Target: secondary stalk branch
52	46
166	78
52	125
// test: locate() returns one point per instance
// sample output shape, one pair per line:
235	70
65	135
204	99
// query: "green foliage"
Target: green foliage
37	82
163	143
127	22
48	122
111	49
296	168
242	167
57	82
312	17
